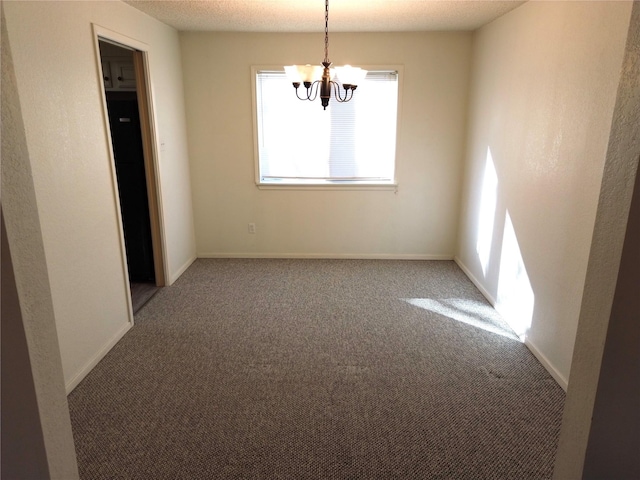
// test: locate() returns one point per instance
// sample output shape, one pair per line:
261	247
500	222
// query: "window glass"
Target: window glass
352	142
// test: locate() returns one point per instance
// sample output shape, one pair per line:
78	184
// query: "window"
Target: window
299	143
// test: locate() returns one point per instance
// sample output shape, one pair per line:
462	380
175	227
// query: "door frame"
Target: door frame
150	149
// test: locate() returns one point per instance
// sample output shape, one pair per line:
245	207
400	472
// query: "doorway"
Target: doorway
123	77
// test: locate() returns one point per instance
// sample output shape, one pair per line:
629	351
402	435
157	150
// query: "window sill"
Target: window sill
335	186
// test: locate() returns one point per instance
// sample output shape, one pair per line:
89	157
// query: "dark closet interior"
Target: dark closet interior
126	136
124	121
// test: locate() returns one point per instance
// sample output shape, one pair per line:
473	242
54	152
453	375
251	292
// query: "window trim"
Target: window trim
329	185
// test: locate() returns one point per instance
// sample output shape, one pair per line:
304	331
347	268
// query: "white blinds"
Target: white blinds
299	142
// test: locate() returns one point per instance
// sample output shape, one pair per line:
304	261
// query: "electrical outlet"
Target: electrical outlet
252	228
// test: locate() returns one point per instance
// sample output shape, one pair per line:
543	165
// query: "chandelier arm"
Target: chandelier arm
348	93
302	98
336	92
311	93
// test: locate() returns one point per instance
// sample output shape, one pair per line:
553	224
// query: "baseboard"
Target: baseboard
73	383
475	281
175	276
336	256
557	376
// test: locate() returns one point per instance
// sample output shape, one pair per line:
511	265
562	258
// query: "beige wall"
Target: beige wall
599	436
37	441
419	221
59	91
543	91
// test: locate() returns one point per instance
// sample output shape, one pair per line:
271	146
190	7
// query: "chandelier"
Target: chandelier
321	78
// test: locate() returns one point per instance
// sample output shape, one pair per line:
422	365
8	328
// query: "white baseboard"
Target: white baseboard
73	383
475	281
336	256
176	275
557	376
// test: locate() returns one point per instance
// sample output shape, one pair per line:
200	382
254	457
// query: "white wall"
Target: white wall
599	436
544	83
37	441
419	221
59	89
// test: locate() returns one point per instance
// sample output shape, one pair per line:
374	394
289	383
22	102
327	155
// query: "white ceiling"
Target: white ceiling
308	15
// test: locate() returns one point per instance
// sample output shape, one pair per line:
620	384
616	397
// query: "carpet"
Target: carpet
318	369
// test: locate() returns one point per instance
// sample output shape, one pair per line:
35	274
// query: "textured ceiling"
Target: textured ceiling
308	15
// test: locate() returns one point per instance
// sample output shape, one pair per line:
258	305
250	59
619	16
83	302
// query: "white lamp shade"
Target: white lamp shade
360	76
349	75
310	73
292	74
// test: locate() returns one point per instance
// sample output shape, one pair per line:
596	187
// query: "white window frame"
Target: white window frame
342	185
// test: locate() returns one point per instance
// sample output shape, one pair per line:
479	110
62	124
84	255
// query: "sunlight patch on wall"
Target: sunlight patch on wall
487	212
474	313
516	299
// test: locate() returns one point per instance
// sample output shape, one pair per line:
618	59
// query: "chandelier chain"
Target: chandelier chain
326	31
